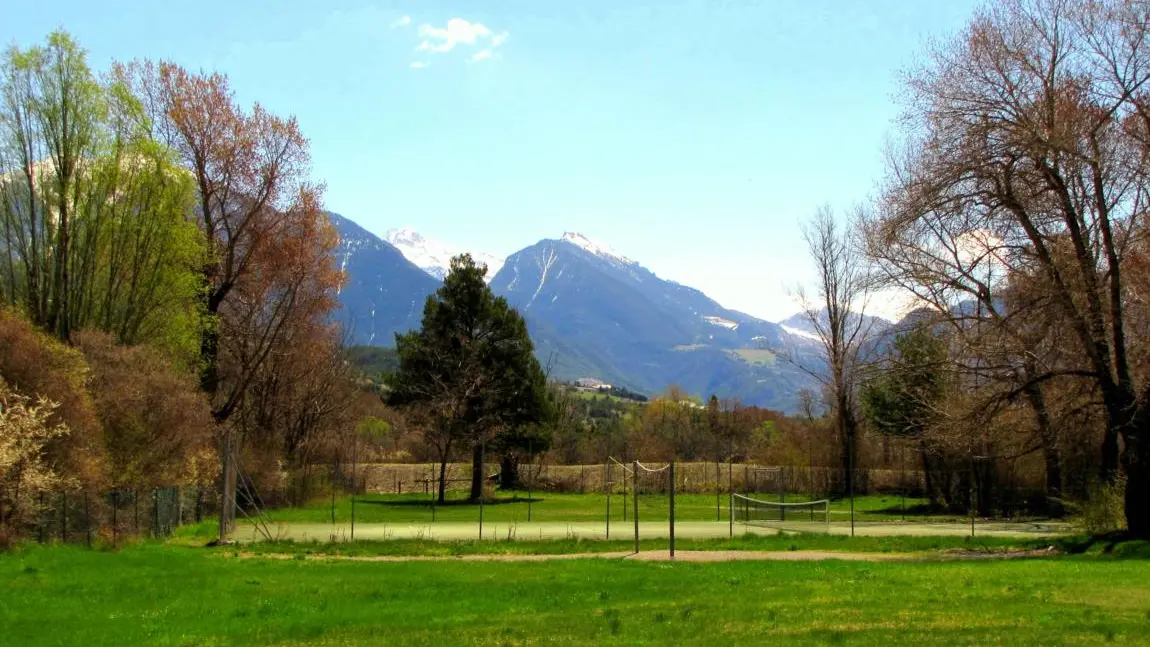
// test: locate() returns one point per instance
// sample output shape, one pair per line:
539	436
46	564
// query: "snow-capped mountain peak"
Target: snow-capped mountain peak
596	248
433	256
405	235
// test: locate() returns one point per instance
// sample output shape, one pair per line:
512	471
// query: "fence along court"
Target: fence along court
762	507
80	516
694	477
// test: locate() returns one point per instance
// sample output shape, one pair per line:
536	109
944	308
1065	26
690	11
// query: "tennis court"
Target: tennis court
503	531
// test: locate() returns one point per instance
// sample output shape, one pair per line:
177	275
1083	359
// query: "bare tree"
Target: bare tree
999	330
836	314
1034	126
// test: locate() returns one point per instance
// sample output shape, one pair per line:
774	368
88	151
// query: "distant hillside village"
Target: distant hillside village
595	385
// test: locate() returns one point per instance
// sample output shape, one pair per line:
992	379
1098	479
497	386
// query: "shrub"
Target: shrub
156	422
38	365
25	431
1104	510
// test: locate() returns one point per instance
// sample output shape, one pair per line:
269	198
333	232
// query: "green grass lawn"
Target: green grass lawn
166	595
743	542
548	506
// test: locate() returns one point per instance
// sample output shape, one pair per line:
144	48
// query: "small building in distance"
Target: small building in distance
592	383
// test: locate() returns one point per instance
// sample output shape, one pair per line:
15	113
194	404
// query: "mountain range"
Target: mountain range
433	256
383	292
591	312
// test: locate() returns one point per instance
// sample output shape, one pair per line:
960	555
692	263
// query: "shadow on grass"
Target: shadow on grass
1118	545
462	503
919	510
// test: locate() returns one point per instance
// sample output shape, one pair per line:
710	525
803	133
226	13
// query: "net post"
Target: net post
783	493
672	508
530	459
851	476
718	491
482	483
731	487
624	491
354	480
607	490
635	500
434	494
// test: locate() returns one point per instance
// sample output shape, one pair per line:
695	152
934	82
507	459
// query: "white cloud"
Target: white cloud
463	33
419	65
402	22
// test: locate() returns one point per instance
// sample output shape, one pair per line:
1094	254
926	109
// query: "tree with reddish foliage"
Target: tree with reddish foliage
268	274
157	428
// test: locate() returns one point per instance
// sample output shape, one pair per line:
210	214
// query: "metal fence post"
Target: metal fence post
87	520
530	455
672	508
607	490
635	499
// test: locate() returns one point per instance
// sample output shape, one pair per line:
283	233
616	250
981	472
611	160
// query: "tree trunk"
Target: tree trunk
848	430
1110	456
442	477
1136	461
1050	453
1121	414
477	475
227	486
927	480
509	471
58	313
1132	422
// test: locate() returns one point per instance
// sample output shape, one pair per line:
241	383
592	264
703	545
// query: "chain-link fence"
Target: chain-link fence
86	517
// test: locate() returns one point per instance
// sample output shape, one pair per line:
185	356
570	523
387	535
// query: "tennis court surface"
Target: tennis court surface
456	531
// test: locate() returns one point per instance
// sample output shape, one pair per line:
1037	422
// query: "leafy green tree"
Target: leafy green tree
902	400
96	231
560	419
469	375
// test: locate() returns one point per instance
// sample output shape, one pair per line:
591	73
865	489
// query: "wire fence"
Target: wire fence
690	478
86	517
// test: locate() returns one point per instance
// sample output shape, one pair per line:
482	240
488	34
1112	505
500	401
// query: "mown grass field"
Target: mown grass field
170	595
756	356
917	545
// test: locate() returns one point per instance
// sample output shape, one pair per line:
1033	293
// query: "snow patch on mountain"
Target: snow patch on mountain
596	248
434	256
722	323
544	262
799	332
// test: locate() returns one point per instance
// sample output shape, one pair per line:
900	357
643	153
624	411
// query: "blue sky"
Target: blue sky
690	136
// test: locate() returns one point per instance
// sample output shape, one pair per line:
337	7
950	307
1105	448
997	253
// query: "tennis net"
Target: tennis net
808	515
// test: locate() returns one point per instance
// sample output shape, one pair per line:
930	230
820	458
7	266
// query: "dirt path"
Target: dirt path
697	556
645	556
